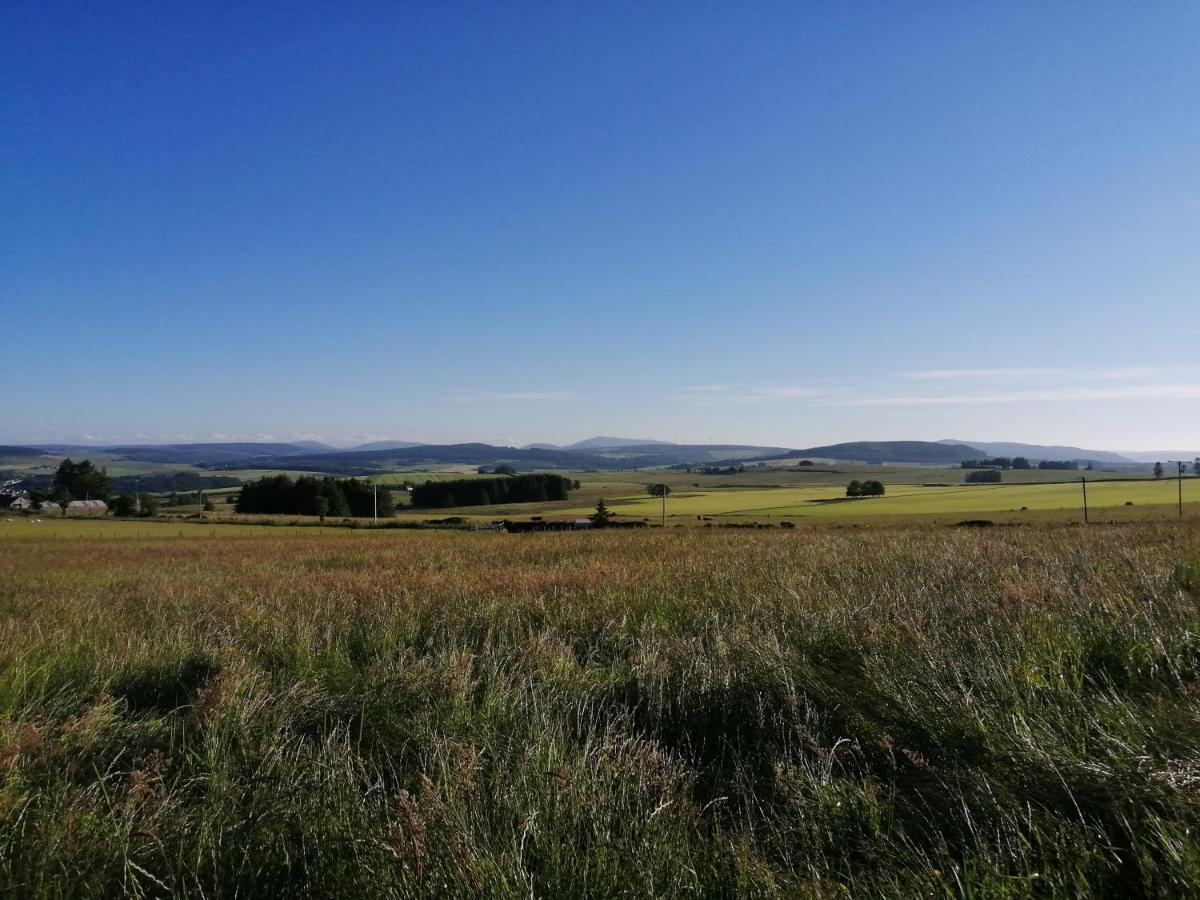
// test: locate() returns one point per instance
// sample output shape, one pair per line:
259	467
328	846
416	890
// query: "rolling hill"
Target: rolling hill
1041	451
922	452
210	454
379	445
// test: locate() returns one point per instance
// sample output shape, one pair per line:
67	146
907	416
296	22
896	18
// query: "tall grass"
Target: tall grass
1011	712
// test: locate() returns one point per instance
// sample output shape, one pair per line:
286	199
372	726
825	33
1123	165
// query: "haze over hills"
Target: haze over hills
607	443
599	442
1042	451
1162	456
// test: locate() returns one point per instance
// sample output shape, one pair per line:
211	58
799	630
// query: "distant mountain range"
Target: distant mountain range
601	452
599	442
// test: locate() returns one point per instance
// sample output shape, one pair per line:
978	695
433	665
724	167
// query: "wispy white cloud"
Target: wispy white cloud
1052	373
1047	384
707	388
1046	395
463	395
949	387
741	393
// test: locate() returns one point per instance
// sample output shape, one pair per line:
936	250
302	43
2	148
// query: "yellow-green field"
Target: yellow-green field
905	500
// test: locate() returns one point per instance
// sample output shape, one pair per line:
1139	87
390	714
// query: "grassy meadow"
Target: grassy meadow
872	712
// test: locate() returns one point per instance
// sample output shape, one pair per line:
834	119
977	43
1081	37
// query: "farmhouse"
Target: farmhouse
21	504
87	508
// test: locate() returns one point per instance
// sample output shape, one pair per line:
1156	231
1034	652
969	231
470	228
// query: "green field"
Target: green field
1111	500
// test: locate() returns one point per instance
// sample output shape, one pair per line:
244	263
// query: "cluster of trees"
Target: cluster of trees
998	462
1058	464
719	470
124	505
312	496
858	488
485	491
80	481
658	490
502	469
983	476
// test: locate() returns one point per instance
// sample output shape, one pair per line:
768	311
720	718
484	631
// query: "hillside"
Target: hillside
1040	451
380	445
924	452
210	454
477	454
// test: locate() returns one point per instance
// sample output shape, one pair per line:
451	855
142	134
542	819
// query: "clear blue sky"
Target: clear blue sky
780	223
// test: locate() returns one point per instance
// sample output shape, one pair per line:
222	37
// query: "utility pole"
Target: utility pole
1179	465
375	498
1083	482
664	512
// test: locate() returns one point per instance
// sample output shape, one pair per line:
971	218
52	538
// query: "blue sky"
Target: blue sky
773	223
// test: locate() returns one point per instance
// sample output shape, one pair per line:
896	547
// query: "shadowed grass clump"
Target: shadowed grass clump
1004	712
163	687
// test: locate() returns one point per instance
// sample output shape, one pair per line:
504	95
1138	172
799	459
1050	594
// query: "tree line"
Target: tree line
983	476
312	496
175	481
485	491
